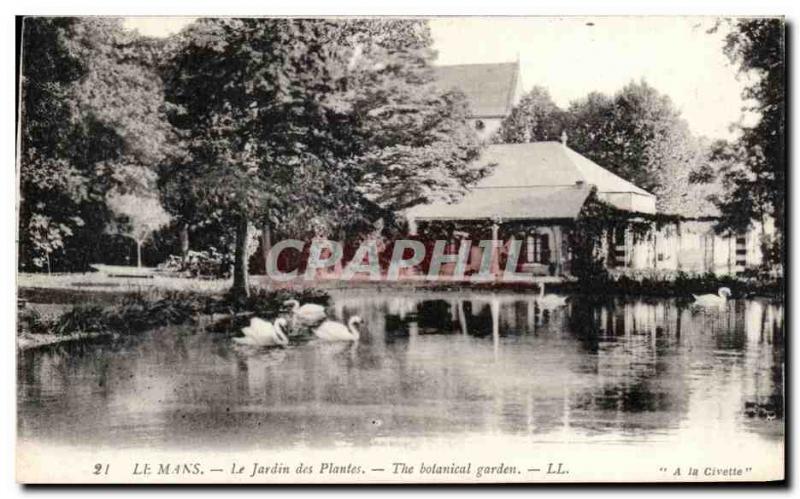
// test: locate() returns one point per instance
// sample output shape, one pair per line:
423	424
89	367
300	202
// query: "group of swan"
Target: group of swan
261	333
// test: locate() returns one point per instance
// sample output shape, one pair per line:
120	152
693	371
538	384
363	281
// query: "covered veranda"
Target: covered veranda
537	219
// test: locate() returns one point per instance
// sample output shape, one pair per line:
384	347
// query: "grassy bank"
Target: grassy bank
98	287
92	315
57	311
88	319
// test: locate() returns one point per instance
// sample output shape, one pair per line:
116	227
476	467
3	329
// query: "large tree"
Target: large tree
300	123
639	135
250	98
409	141
756	175
51	187
90	106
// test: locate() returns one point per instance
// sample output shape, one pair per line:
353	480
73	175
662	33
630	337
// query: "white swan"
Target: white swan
336	331
261	333
709	300
310	314
550	301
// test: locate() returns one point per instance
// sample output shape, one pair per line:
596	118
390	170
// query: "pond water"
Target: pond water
429	365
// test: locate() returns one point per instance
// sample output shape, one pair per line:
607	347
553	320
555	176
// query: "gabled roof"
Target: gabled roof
489	88
539	180
510	203
548	163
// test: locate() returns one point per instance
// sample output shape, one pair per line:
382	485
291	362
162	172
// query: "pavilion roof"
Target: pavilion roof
540	180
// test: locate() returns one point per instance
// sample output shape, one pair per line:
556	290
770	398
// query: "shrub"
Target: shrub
177	307
82	318
30	321
140	312
143	311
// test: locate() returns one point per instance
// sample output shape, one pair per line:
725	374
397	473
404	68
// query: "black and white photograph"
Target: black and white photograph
401	250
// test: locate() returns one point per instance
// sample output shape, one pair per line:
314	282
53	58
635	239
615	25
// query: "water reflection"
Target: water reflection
429	364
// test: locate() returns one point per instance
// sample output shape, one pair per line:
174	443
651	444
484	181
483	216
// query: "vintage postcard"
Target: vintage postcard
401	250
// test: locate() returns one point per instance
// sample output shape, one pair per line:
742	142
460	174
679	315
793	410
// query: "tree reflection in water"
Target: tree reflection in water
428	364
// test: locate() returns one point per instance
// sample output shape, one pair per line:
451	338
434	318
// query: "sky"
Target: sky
573	56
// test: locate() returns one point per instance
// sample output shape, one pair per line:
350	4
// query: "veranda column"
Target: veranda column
494	266
557	249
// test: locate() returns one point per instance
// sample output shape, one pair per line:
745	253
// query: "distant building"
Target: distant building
492	91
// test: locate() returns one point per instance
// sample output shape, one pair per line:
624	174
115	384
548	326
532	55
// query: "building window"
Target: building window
538	249
617	255
741	253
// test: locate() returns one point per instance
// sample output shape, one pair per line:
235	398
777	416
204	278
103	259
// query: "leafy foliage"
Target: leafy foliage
535	118
129	314
90	106
310	126
31	322
412	141
82	318
136	217
756	176
639	135
50	187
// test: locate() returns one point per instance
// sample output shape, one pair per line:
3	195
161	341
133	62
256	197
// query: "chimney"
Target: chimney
564	138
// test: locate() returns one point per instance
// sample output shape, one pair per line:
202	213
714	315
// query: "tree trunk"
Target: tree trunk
241	287
184	237
138	254
266	244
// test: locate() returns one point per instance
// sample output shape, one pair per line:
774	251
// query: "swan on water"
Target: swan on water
309	314
710	300
336	331
261	333
550	301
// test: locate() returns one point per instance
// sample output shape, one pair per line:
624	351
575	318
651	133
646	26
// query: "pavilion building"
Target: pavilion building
543	188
